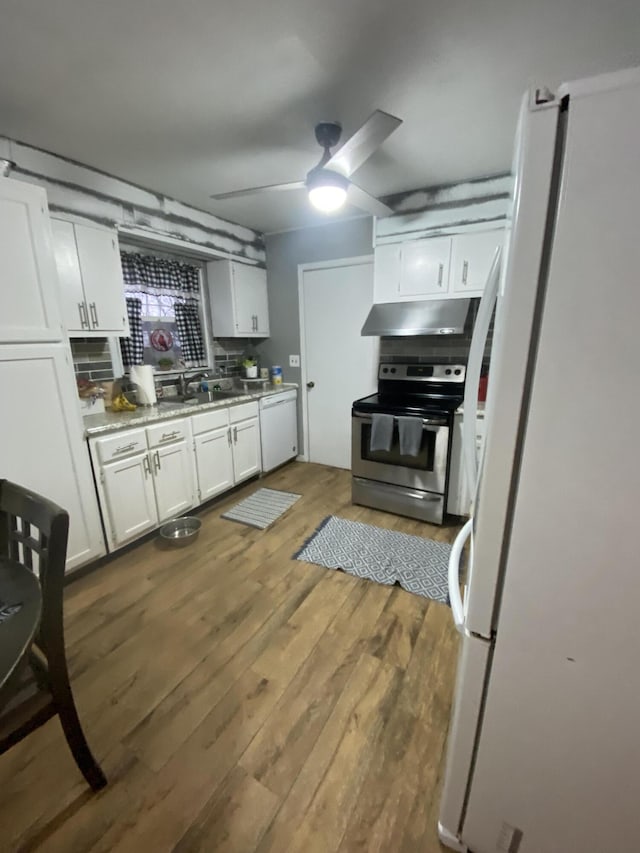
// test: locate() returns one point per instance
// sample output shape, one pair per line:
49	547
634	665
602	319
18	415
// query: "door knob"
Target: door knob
311	384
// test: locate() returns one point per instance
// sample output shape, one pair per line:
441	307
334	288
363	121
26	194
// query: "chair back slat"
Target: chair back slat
20	512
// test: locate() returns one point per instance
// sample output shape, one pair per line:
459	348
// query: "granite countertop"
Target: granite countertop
114	421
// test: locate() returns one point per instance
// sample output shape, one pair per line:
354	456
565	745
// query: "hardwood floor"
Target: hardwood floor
239	700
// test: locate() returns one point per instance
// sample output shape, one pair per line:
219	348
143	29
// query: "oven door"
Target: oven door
426	471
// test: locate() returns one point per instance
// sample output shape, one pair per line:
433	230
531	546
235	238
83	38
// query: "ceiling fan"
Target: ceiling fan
328	183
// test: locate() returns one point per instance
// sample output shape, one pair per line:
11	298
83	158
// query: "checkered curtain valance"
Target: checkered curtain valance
149	274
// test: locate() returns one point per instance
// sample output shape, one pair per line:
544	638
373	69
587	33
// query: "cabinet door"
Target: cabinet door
386	273
173	479
214	462
246	449
101	272
424	267
43	446
471	257
128	492
29	309
72	302
250	301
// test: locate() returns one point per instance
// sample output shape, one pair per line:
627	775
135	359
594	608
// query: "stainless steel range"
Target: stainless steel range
413	484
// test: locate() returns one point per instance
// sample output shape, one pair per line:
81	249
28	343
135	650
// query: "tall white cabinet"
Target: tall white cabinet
42	445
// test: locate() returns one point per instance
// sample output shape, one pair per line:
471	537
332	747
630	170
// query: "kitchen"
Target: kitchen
235	695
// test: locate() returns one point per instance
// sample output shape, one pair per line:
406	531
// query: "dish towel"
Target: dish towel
381	432
410	431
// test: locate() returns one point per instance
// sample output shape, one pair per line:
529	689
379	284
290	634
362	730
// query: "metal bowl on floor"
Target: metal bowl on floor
181	531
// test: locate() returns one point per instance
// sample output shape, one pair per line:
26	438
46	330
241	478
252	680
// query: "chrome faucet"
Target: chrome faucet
184	383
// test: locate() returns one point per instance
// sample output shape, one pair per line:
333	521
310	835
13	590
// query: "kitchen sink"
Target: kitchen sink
201	398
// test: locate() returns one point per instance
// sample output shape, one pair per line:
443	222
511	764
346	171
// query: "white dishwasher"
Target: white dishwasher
278	428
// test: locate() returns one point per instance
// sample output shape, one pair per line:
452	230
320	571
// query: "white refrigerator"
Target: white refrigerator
543	751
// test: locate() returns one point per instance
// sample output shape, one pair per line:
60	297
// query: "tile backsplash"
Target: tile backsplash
229	353
92	359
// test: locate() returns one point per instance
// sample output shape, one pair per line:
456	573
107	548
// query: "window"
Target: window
164	303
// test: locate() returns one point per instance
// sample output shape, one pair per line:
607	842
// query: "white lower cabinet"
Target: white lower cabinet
173	480
128	498
214	462
246	449
148	475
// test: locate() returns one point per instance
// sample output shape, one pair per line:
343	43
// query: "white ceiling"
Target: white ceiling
193	97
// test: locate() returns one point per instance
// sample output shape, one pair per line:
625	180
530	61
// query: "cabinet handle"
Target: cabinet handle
156	460
235	435
440	273
465	270
125	447
169	436
146	466
82	310
229	436
94	314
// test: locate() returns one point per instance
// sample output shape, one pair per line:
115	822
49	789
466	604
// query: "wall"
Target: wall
85	193
285	251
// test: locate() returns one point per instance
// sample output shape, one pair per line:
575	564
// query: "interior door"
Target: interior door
29	309
246	449
214	462
130	502
102	278
339	364
250	300
173	479
42	444
424	267
471	257
72	302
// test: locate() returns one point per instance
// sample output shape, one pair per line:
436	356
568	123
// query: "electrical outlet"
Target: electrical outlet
294	361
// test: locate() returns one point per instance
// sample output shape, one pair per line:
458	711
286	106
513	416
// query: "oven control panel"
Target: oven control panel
422	372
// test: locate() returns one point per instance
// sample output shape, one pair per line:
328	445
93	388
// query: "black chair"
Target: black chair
42	690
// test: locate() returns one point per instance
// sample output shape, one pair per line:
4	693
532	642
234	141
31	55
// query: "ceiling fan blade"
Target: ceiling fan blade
363	143
359	198
293	185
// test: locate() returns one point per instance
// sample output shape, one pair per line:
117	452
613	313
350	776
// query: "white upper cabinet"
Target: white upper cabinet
471	258
386	273
424	267
29	310
435	267
239	303
92	290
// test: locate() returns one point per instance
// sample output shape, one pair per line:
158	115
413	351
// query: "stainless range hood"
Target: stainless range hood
431	317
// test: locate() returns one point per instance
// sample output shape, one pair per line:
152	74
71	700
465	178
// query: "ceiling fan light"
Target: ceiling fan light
327	197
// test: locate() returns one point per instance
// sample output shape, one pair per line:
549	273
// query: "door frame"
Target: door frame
358	260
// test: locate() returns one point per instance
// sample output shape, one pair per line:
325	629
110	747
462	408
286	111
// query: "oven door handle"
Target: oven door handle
426	422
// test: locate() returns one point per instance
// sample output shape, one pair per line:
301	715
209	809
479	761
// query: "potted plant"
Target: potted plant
250	365
165	363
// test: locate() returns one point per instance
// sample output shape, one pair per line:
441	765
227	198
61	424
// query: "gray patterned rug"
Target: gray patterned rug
261	508
419	565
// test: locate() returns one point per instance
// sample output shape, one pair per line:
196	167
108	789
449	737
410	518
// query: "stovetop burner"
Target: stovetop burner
415	389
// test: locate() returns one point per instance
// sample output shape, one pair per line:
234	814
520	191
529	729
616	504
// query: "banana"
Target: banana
121	404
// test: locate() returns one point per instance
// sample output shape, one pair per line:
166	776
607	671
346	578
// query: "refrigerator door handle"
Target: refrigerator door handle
455	597
474	368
